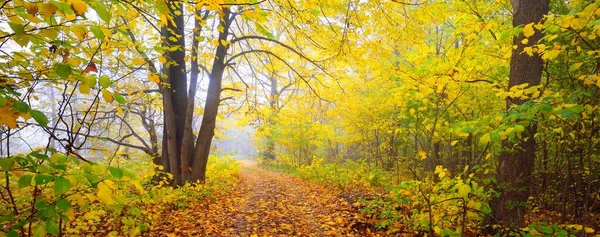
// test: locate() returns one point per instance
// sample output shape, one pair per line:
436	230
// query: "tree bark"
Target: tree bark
211	107
516	162
175	94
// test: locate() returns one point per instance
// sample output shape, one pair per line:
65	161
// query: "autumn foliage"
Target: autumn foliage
382	118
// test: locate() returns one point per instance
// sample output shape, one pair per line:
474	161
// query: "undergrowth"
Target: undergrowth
444	205
52	193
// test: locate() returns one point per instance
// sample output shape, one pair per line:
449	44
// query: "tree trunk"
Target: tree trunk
516	164
211	107
175	94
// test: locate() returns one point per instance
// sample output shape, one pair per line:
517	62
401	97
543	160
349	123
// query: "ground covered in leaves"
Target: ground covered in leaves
267	203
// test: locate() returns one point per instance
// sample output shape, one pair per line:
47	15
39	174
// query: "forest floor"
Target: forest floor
268	203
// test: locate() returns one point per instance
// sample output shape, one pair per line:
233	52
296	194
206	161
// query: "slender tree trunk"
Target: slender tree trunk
211	107
188	137
175	94
516	164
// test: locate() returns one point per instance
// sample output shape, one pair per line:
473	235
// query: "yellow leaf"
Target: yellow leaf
463	190
105	192
163	19
71	214
55	156
423	154
550	54
79	6
575	66
31	8
485	139
453	142
439	170
84	88
589	230
48	9
437	229
528	30
138	61
528	50
119	111
153	78
525	41
138	187
107	96
80	31
70	17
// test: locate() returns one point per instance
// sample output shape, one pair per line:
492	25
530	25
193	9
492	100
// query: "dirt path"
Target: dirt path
267	203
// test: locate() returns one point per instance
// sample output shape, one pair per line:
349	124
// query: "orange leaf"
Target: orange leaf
91	67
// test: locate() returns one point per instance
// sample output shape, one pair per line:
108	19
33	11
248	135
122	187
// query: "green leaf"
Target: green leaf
12	233
264	31
40	231
93	179
97	32
116	172
562	233
104	81
52	227
21	106
61	185
25	181
7	163
63	70
18	28
576	109
546	229
128	173
101	11
546	107
119	98
40	205
50	212
63	7
2	101
90	81
40	118
63	204
9	217
43	179
39	155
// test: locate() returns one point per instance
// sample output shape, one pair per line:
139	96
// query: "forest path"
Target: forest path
267	203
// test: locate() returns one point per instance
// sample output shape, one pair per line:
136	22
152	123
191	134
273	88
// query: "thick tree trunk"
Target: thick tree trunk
516	162
211	107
